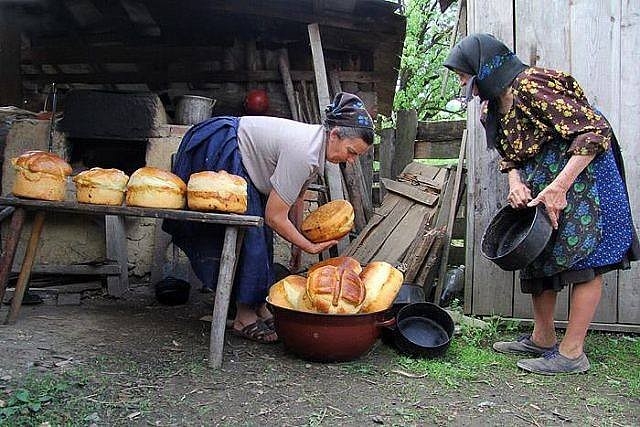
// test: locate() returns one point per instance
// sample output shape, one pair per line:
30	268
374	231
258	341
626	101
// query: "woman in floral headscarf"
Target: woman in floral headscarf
559	151
278	158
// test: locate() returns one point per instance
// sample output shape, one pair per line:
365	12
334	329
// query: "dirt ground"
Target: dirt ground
135	362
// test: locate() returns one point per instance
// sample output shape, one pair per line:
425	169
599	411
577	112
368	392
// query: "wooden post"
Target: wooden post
451	217
386	153
406	130
331	170
223	295
27	264
283	64
116	242
10	245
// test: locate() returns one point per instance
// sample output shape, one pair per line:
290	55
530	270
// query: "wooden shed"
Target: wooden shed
220	48
120	67
597	42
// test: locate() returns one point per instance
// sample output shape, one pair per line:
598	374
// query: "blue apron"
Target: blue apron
213	145
595	229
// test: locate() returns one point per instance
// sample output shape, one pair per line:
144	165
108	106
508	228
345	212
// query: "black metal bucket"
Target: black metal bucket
515	237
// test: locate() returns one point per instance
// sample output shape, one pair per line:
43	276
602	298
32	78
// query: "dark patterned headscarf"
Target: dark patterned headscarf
492	65
348	110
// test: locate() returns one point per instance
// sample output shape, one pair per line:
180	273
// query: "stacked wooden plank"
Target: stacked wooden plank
402	231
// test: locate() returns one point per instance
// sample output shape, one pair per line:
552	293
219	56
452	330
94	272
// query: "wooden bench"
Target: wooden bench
114	217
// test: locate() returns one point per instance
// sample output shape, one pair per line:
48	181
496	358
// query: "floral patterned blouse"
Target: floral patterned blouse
547	104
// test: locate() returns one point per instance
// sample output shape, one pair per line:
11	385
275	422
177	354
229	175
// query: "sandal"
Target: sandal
271	324
258	331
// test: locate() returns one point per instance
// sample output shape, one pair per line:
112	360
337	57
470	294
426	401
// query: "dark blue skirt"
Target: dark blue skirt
213	145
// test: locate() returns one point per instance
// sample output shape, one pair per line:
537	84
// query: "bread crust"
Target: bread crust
334	287
217	191
342	262
40	175
290	292
383	283
156	188
100	186
335	291
331	221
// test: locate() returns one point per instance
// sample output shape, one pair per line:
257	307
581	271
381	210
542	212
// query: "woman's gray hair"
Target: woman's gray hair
365	134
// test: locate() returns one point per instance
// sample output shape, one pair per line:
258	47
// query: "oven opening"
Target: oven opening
126	155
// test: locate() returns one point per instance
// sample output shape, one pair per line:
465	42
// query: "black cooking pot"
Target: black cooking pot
172	291
423	330
515	237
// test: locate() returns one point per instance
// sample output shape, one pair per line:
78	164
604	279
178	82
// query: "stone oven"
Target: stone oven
98	129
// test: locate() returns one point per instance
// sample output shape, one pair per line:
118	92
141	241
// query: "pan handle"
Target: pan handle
389	323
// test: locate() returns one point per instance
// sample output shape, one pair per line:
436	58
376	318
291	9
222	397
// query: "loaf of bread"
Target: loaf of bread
382	282
340	285
290	292
335	291
330	221
40	175
152	187
217	191
342	262
100	186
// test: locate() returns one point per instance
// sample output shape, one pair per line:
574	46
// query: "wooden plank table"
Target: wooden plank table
234	230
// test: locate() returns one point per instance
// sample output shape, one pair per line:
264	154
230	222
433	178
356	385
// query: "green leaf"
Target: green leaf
22	395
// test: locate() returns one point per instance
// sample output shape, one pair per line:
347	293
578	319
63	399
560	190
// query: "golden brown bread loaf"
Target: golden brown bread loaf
333	286
290	292
335	291
383	283
100	186
331	221
40	175
152	187
217	191
342	262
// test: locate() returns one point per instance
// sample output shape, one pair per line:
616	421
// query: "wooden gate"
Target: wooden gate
597	42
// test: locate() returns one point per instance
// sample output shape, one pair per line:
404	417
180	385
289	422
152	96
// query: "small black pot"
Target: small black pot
172	291
515	237
423	330
408	294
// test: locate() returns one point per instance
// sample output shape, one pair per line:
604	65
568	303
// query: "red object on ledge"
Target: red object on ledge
256	102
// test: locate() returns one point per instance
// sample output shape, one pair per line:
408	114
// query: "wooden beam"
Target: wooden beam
75	269
76	54
405	140
332	172
391	23
444	130
436	150
410	191
452	211
116	242
189	75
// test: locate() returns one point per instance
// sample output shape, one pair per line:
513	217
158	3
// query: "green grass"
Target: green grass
614	359
47	398
78	396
